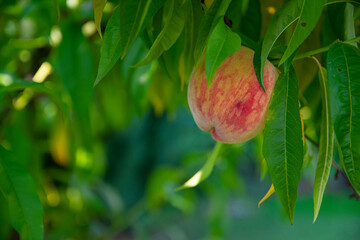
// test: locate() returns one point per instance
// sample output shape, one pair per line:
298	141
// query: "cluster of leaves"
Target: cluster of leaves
283	137
58	178
284	134
54	125
152	47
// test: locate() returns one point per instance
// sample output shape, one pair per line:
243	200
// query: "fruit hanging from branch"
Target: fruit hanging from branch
233	108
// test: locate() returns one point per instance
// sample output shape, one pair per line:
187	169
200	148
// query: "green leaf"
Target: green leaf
19	84
169	34
16	84
283	145
112	45
98	6
205	171
25	208
288	14
146	9
221	44
139	79
125	24
349	23
217	9
326	144
309	15
343	63
74	68
251	21
193	16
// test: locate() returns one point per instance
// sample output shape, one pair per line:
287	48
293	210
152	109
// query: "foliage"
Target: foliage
95	133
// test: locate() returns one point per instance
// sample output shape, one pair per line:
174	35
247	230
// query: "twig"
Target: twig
338	171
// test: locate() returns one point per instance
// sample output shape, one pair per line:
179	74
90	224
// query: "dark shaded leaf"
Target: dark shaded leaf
193	16
251	21
217	9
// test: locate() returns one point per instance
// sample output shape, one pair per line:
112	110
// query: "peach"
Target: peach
233	108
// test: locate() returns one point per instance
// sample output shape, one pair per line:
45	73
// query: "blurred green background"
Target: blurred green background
107	159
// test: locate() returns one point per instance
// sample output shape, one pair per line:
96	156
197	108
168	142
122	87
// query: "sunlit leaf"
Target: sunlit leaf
205	171
217	9
26	211
169	34
326	144
222	43
98	6
343	63
283	146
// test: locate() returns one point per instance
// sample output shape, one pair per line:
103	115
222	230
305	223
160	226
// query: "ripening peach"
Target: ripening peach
233	108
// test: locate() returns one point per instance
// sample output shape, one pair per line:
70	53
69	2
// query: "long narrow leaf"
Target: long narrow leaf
17	84
283	146
145	10
193	16
282	20
309	15
74	68
26	211
98	6
168	35
217	9
124	26
326	144
343	63
349	23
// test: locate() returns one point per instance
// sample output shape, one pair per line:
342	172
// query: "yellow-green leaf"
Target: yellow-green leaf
98	6
267	195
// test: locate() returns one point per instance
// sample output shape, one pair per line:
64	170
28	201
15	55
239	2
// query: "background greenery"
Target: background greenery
105	161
